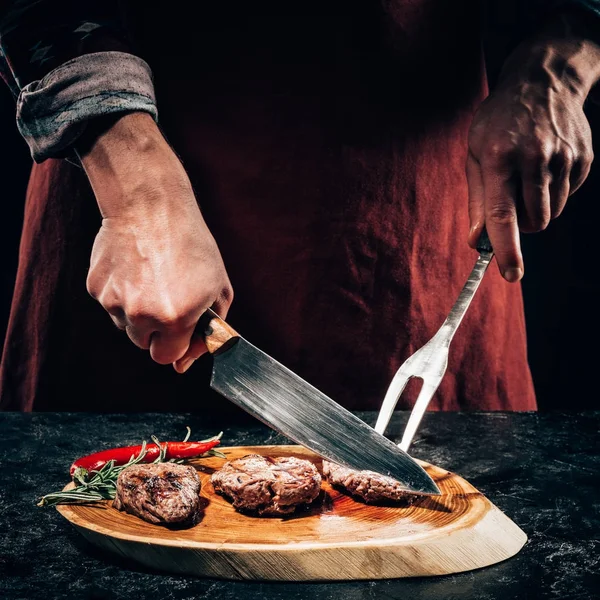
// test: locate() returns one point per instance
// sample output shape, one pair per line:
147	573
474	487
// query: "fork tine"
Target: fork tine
391	399
429	362
417	413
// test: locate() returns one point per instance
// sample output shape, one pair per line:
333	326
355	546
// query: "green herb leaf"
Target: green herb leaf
99	485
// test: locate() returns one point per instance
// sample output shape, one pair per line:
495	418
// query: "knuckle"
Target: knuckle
587	156
544	153
92	287
110	304
537	153
538	223
170	318
163	314
503	214
498	151
537	216
562	162
113	309
137	314
567	156
227	294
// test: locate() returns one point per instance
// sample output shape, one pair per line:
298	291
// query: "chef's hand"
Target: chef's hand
155	267
530	144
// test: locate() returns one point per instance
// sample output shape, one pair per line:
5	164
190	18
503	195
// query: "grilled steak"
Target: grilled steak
268	486
369	486
159	493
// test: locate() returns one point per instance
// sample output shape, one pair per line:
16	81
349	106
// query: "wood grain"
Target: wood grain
337	539
217	333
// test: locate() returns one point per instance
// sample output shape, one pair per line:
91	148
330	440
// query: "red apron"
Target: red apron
328	156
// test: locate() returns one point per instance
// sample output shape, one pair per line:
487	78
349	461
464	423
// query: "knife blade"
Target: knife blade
285	402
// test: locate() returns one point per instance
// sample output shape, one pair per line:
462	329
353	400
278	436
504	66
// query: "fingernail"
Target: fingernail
186	364
513	274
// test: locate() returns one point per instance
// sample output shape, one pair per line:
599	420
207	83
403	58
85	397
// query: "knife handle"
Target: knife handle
216	333
483	243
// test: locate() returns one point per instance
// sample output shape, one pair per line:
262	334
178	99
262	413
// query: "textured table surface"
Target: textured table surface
542	470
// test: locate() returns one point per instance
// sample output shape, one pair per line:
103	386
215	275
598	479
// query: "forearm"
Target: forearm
126	159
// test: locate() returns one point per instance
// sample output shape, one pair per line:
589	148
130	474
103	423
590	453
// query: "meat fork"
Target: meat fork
429	363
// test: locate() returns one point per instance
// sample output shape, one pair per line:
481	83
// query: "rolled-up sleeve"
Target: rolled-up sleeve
67	63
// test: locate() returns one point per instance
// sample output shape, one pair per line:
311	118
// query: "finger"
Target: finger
579	172
501	221
167	347
139	326
534	214
110	303
120	323
139	336
197	345
115	312
476	199
223	302
196	349
560	186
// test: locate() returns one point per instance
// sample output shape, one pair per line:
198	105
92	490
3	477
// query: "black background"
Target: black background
561	288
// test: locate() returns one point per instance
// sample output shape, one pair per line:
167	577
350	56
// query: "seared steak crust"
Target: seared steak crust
268	486
367	485
159	493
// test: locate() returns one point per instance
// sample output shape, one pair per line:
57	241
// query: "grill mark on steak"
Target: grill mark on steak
161	493
268	486
368	486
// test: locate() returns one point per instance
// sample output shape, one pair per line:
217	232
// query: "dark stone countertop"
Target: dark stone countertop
542	470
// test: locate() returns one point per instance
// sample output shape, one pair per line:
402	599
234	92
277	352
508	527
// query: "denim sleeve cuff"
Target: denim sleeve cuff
52	113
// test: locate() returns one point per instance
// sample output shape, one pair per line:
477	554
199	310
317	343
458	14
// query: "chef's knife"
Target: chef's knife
285	402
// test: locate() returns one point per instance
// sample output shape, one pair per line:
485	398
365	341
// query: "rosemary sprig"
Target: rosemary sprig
102	484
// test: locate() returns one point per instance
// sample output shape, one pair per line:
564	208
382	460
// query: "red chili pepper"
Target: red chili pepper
121	456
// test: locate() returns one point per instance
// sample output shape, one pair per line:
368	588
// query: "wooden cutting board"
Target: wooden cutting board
338	539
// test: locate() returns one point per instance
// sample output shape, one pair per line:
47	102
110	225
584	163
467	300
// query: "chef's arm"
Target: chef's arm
530	144
82	92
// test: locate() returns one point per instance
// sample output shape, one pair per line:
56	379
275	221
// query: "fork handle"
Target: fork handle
457	312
